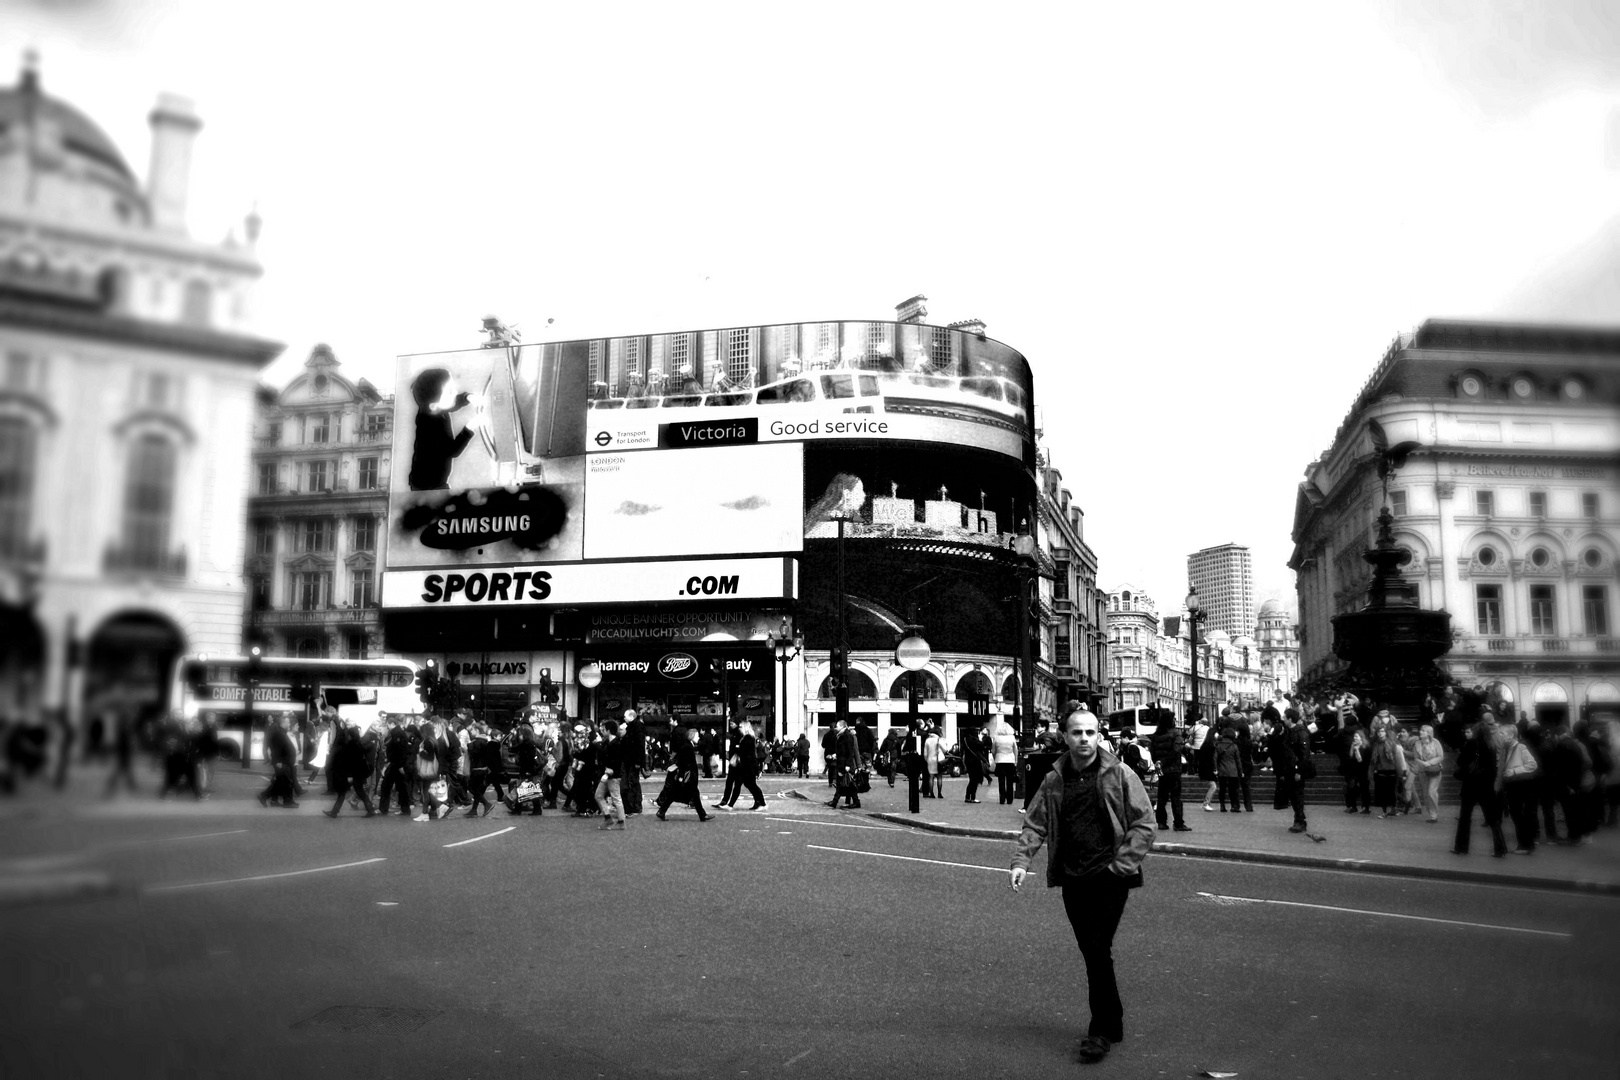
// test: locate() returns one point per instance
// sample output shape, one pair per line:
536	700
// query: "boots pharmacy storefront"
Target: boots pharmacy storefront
660	511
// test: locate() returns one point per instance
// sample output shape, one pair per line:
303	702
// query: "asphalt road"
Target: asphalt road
784	943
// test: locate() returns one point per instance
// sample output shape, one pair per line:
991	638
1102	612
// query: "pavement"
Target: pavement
1401	846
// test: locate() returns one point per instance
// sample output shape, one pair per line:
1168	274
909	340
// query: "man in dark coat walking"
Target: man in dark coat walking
682	784
1288	748
347	768
283	763
1168	744
847	761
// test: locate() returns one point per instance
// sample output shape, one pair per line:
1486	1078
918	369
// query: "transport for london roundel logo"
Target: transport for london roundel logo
677	665
603	438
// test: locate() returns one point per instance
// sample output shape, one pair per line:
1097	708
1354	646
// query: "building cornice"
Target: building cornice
108	242
191	340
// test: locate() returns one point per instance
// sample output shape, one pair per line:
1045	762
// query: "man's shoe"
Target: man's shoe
264	800
289	805
757	806
330	813
1296	827
1164	827
1093	1048
660	816
1183	828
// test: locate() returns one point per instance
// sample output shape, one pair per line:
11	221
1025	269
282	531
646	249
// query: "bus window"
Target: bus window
785	393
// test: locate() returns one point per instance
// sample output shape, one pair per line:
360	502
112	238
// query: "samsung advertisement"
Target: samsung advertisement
594	471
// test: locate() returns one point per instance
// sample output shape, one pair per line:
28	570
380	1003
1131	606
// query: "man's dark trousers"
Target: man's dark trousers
914	786
394	778
1169	793
1094	905
1479	793
630	789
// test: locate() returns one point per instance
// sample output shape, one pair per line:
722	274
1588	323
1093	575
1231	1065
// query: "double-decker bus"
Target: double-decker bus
243	694
1142	719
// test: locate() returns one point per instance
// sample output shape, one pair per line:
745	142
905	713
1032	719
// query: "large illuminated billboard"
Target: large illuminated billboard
681	446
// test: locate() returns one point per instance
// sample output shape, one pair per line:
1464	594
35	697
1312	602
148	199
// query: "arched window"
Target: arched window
149	502
18	441
929	687
974	682
860	686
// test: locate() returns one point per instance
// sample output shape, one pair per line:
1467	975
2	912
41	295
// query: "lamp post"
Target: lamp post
786	645
913	654
590	677
840	649
1195	615
1024	544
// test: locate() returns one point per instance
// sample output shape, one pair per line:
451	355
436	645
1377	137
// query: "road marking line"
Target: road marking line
908	858
796	1057
261	877
1384	914
833	824
193	836
486	836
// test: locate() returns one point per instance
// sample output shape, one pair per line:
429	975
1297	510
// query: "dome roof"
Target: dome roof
1272	607
80	134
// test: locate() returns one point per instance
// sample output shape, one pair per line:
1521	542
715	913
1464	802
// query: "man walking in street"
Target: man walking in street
634	741
283	760
610	758
1093	816
1168	744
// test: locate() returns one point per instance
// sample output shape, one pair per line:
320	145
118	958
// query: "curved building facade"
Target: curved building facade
664	509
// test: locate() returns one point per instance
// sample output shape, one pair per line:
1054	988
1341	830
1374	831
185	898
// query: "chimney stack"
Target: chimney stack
914	310
174	129
970	326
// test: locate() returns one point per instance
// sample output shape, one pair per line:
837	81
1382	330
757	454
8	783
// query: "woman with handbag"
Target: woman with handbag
1004	759
426	770
681	785
1427	760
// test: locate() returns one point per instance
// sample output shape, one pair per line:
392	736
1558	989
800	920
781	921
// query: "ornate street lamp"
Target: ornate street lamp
1195	615
786	645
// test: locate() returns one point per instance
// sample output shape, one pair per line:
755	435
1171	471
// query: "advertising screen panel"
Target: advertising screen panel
673	446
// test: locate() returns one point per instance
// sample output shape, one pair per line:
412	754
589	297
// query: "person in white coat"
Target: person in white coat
933	763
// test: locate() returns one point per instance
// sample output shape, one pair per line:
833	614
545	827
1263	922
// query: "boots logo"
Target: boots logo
677	665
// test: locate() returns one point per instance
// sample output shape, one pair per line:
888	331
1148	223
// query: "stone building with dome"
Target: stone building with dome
1278	645
1508	506
127	373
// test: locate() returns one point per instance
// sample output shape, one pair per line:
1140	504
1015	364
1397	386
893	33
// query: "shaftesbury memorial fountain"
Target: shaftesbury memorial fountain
1391	644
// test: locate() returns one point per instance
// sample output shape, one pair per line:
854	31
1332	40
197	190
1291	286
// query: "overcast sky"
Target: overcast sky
1201	222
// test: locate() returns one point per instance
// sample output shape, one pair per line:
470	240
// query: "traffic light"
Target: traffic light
550	692
839	669
426	677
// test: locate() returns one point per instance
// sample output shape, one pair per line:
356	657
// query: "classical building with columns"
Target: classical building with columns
321	449
1507	503
127	369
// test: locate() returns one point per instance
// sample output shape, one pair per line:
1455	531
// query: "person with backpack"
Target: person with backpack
1476	768
1517	781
